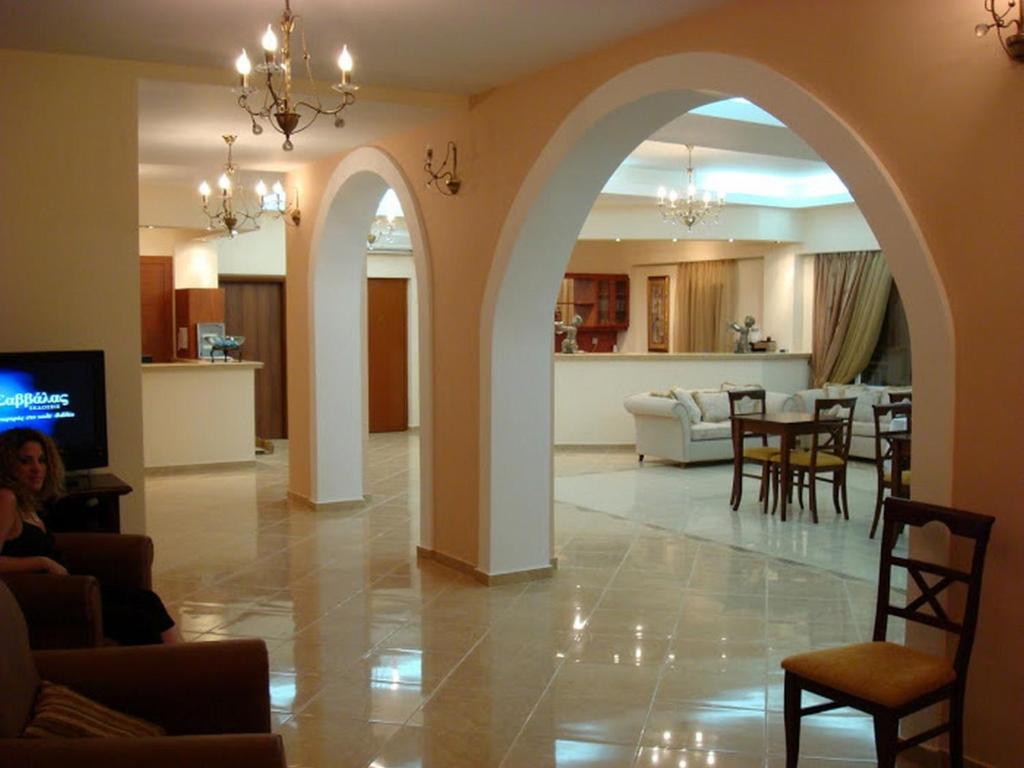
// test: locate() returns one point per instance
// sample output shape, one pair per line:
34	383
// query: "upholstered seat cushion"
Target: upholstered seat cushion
711	431
803	459
904	477
884	673
760	452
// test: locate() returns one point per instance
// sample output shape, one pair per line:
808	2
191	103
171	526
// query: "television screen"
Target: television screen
61	394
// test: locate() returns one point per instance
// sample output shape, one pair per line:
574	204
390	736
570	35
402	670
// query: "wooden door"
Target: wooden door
156	290
387	353
254	308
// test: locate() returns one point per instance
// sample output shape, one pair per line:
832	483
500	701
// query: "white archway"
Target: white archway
337	319
540	231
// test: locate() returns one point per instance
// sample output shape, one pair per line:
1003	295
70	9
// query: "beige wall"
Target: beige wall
965	90
68	232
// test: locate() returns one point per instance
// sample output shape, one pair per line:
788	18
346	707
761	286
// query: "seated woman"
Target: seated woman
32	475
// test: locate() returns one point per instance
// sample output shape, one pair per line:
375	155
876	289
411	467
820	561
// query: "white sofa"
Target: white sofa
862	445
689	425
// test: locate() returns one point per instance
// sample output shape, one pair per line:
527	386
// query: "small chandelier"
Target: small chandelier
381	231
1013	41
284	113
693	207
230	210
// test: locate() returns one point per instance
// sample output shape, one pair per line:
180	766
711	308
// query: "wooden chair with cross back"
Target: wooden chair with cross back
887	680
749	401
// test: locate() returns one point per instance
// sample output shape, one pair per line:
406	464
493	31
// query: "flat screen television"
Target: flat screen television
63	395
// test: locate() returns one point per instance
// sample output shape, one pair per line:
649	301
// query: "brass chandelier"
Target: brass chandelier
279	108
1010	31
693	207
231	208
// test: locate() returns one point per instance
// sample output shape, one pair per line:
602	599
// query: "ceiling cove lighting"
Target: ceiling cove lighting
278	107
230	207
1012	39
692	207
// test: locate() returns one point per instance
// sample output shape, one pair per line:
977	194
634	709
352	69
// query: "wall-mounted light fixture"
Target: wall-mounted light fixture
279	206
445	180
1012	39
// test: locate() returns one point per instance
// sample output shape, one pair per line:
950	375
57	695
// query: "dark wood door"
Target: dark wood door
254	308
387	352
156	290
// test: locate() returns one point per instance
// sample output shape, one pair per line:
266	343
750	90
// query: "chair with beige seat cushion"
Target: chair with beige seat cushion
890	681
826	460
749	401
211	698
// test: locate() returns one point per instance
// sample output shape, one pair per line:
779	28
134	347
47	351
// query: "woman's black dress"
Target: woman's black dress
131	616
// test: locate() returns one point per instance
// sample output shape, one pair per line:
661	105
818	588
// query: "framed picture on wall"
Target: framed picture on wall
657	314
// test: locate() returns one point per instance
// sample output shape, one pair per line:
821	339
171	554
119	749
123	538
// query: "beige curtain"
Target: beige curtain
850	295
706	300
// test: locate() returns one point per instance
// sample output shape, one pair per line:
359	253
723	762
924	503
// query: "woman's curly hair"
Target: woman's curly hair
11	443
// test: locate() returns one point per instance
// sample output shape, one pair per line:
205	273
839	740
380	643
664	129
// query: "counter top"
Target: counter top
683	356
202	365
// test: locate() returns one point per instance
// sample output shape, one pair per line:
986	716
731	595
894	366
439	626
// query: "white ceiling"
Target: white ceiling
454	46
442	46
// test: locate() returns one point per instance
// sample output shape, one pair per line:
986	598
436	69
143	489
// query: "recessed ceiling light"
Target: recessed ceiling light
618	239
732	239
675	239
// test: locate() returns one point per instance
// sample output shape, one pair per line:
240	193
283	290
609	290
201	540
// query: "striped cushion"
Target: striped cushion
60	713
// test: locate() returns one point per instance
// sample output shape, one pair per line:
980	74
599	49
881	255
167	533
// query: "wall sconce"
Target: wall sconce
445	180
1013	40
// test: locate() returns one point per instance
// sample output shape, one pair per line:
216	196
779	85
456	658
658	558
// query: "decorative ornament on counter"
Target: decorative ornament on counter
569	345
743	340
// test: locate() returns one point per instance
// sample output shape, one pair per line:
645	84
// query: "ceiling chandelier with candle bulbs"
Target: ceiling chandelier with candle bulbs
231	207
277	105
692	207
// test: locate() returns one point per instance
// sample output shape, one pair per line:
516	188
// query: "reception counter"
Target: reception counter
198	412
589	388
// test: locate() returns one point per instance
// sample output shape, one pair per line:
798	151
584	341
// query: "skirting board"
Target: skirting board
490	580
188	469
339	505
939	758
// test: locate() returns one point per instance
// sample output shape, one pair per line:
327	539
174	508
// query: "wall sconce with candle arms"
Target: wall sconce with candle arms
445	180
1013	38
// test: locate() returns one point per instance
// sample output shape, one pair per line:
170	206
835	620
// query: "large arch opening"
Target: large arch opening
337	287
533	251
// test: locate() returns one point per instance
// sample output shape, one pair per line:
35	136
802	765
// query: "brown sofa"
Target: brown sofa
213	700
65	611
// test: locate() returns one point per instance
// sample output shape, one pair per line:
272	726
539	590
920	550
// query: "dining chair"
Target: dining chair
886	415
749	401
890	681
827	457
901	397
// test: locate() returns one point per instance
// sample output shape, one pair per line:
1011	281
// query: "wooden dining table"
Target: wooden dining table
787	425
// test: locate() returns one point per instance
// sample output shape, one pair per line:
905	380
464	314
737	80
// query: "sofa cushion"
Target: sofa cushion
728	386
806	398
779	402
863	428
61	713
712	431
689	405
714	406
866	398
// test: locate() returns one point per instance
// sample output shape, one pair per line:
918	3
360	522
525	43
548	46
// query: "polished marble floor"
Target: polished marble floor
650	646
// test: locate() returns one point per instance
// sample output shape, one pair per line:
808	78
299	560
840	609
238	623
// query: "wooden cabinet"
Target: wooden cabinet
196	305
602	301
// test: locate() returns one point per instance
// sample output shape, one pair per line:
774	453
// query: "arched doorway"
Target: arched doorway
337	339
537	238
